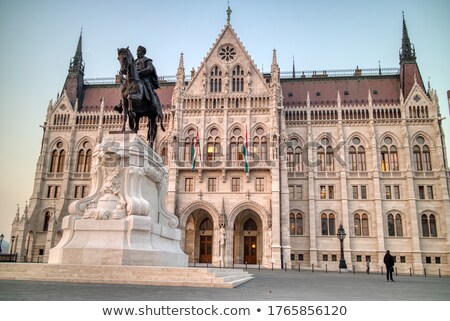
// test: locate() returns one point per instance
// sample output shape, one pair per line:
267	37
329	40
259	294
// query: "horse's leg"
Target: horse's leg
151	134
125	114
132	115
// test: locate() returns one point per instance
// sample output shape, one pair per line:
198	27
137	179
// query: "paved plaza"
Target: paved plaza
267	285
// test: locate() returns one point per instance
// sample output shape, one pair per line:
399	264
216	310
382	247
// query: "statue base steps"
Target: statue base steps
120	274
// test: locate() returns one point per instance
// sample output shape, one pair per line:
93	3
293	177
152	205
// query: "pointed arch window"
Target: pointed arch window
58	159
46	221
296	223
215	82
236	141
250	225
389	156
84	158
237	82
328	224
429	228
206	225
325	155
421	155
294	156
189	143
361	224
357	155
395	225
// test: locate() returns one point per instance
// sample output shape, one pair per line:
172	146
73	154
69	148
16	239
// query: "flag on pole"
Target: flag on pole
194	151
245	151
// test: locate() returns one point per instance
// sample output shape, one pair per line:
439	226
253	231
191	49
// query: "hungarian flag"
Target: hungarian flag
194	151
245	151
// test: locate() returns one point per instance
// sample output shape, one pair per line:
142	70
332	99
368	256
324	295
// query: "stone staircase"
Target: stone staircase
136	275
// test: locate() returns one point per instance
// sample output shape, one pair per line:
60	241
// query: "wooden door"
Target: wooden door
205	249
250	249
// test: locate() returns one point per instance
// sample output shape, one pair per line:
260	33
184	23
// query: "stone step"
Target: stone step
144	275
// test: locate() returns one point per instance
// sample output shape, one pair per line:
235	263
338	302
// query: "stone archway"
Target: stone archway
248	238
200	239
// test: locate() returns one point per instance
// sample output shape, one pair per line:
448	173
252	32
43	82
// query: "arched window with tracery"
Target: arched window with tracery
213	150
328	224
429	228
259	144
296	223
215	82
58	159
357	155
395	225
421	155
361	224
389	156
206	225
325	155
237	81
189	146
84	158
294	155
236	142
250	225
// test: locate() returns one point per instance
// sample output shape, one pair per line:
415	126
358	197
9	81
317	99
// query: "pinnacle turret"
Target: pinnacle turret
408	52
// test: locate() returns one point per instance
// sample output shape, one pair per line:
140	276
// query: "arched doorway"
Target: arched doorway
248	240
199	237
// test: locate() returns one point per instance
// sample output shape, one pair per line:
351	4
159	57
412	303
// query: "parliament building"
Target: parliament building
282	159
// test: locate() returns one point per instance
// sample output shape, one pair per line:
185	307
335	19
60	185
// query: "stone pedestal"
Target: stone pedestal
123	221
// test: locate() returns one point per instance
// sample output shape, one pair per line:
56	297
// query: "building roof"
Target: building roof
384	89
111	93
323	91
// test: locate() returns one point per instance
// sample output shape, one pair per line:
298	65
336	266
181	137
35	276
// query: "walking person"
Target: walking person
389	262
367	266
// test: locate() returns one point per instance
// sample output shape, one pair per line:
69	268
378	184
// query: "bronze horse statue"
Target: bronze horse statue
135	102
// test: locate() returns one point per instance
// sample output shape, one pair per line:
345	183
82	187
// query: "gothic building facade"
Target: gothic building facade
281	160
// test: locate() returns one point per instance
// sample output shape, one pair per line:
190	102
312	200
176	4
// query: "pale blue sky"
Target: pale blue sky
38	38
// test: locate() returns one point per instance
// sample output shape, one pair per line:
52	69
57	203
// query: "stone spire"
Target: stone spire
73	86
408	52
275	69
409	70
180	71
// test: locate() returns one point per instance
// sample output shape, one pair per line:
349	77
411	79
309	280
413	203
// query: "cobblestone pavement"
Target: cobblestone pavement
267	285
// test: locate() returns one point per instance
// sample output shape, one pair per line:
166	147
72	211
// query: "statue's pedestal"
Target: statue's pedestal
123	221
134	241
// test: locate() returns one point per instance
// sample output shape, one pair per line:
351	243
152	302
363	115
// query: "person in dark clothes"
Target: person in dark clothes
389	262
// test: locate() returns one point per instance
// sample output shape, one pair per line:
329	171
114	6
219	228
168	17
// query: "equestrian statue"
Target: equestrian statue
138	96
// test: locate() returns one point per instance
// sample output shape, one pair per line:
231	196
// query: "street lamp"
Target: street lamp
1	241
341	236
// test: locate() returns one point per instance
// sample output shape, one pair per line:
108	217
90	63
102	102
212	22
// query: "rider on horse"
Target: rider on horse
147	73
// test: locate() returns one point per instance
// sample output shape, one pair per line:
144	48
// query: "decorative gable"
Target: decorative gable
418	104
227	68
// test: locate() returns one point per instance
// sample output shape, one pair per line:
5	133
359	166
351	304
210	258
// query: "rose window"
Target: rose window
227	53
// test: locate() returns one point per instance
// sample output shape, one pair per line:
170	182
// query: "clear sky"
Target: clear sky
38	39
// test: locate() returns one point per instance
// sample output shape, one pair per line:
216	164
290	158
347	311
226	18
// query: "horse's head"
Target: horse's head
125	59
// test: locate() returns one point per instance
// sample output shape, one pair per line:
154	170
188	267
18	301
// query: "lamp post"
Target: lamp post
341	236
1	241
